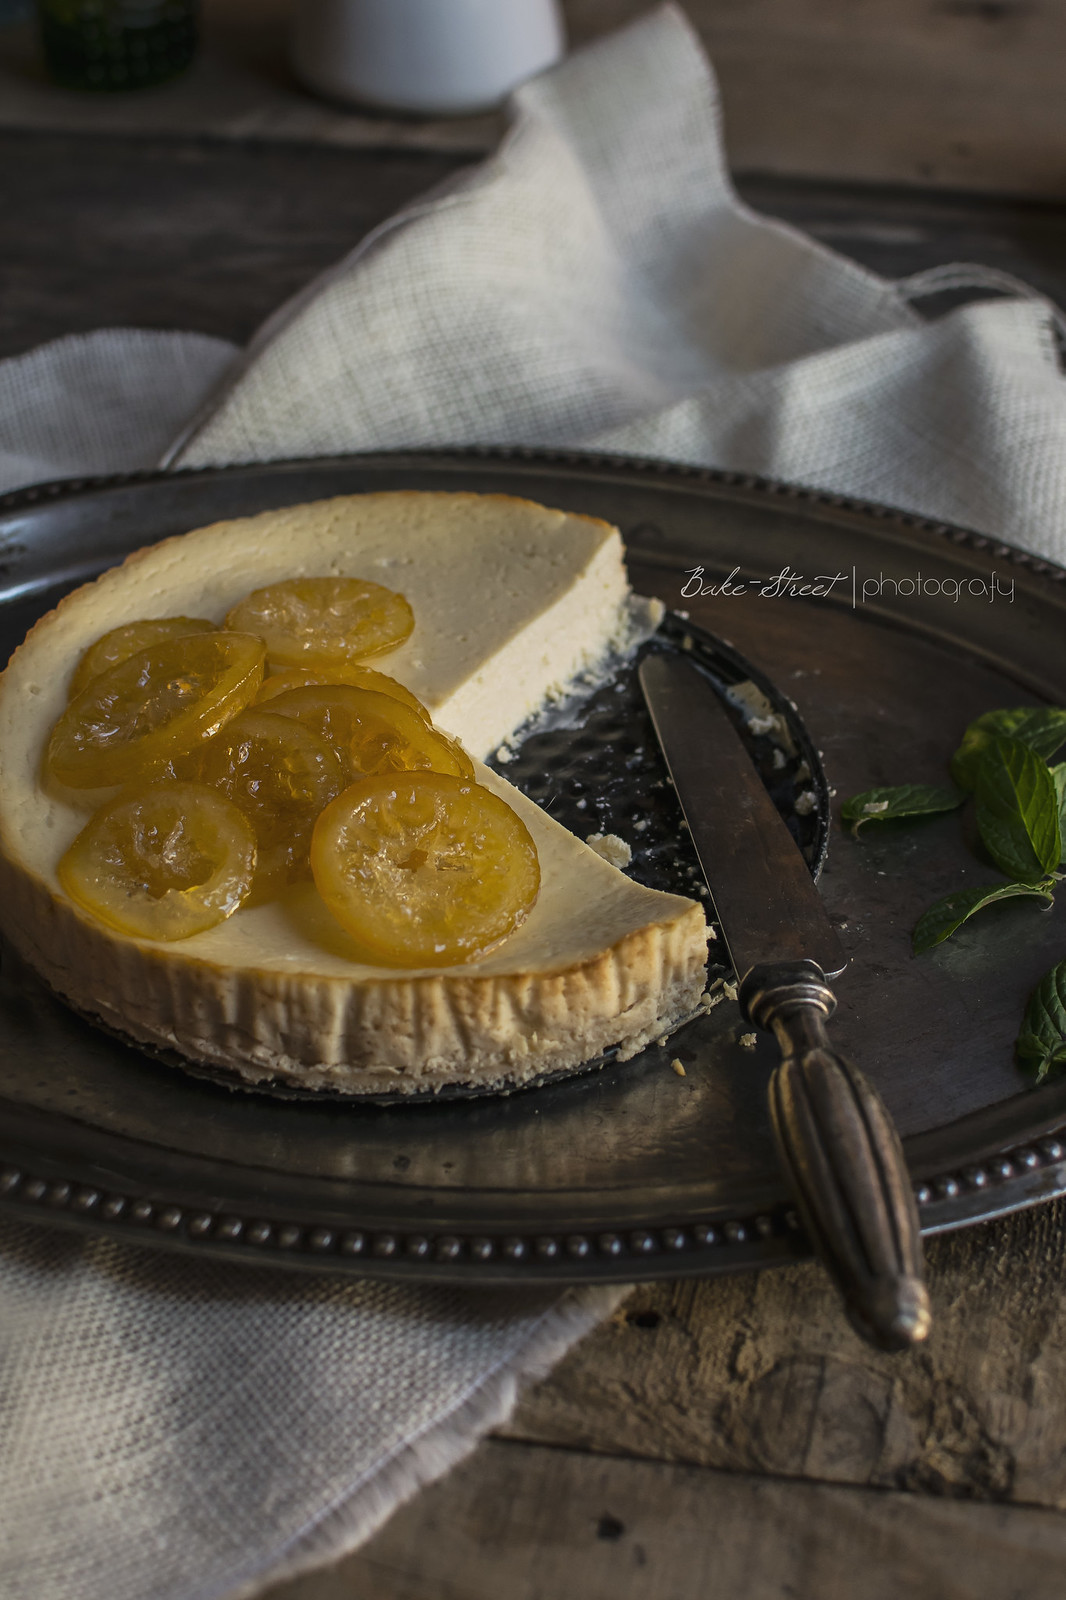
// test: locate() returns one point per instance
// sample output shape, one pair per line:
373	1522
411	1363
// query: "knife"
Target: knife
838	1147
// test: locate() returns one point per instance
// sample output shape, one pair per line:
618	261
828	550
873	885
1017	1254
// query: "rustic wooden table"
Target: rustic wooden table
723	1437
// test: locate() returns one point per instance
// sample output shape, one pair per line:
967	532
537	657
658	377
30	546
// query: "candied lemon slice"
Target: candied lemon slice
374	732
424	870
281	774
154	708
128	640
356	677
162	861
323	622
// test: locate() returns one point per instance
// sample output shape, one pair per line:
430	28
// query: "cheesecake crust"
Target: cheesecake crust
396	1033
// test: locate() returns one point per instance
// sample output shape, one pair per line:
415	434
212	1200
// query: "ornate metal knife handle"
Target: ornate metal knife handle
842	1157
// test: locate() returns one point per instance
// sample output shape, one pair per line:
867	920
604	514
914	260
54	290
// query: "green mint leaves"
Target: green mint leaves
1042	1042
1004	762
1041	728
899	804
1020	802
1058	778
1018	810
941	920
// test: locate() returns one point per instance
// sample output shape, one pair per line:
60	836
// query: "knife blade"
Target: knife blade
839	1150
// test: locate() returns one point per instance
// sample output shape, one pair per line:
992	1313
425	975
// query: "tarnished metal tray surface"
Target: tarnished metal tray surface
889	633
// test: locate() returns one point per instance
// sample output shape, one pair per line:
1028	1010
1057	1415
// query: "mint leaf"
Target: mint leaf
905	800
1042	1041
1058	778
1042	728
941	920
1018	810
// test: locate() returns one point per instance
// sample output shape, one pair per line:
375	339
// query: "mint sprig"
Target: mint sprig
1004	762
898	804
949	914
1041	1045
1041	728
1018	811
1058	778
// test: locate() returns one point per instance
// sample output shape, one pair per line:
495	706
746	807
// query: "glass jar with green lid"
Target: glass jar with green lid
116	44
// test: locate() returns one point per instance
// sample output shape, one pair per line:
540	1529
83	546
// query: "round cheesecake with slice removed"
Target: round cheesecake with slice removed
511	603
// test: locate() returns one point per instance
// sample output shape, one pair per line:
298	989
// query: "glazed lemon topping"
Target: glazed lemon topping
357	677
162	861
424	869
239	785
373	733
280	774
323	622
128	640
154	708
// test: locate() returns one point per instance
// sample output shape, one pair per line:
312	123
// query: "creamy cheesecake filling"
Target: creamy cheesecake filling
511	600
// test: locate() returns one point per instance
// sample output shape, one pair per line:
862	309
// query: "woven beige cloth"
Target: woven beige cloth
598	282
175	1430
181	1430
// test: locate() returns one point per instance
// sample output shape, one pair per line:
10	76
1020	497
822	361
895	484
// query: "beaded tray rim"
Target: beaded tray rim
999	1174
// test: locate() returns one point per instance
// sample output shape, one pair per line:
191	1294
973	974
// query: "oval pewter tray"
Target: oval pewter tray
632	1171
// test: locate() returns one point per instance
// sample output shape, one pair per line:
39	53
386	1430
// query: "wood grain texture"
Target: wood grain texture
521	1523
167	233
761	1374
952	93
161	234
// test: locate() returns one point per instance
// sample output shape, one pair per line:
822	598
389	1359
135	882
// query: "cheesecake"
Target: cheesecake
513	604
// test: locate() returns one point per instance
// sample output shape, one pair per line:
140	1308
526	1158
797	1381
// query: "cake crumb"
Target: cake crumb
729	990
505	754
678	1068
712	932
708	1001
780	759
806	803
747	1041
612	849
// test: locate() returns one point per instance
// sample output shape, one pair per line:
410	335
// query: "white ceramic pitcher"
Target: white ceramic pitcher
437	57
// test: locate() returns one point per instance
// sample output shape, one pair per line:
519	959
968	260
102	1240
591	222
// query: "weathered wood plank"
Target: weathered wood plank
958	93
952	93
538	1524
167	233
762	1374
160	234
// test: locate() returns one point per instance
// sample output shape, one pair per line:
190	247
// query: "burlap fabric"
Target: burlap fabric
176	1430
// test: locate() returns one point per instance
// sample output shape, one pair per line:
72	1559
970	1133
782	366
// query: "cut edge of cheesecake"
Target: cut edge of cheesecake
395	1035
602	963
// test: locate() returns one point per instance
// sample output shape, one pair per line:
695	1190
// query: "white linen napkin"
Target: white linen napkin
174	1429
